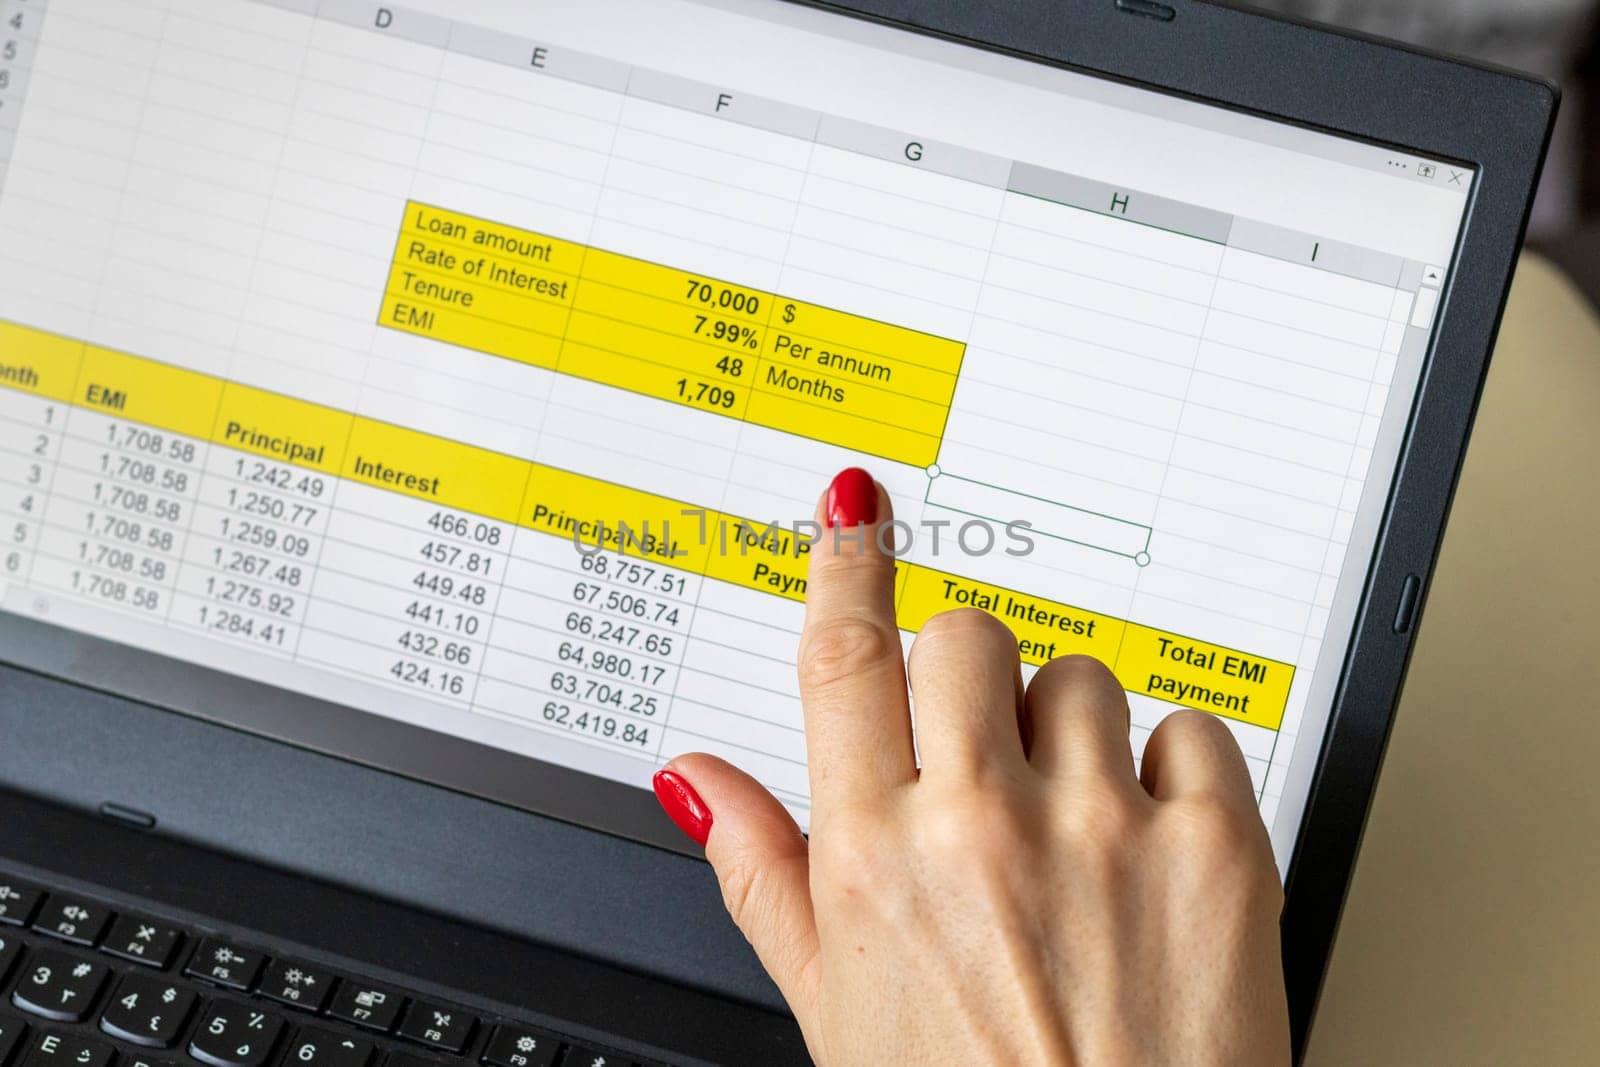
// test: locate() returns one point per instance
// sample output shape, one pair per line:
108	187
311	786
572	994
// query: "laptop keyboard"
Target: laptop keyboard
87	987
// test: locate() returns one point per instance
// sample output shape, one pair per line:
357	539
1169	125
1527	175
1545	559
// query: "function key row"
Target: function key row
151	1012
63	988
82	922
364	1004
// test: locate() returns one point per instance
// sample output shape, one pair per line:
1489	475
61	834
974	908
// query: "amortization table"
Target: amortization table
516	589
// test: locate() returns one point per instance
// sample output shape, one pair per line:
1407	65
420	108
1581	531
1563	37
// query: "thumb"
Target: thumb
762	862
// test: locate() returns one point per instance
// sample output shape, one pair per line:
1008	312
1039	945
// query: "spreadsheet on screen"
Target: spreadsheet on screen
472	364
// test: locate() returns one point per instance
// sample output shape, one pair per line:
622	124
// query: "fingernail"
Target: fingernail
852	498
683	805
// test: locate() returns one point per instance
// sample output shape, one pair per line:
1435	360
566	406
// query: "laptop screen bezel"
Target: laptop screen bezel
87	748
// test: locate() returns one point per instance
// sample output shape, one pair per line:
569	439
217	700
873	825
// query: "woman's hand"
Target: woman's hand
1024	897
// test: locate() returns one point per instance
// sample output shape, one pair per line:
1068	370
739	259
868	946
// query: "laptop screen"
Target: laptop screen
477	365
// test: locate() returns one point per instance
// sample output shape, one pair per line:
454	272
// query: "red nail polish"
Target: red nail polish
852	498
683	805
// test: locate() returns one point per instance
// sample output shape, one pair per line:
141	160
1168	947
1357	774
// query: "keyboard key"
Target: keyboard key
11	1031
148	1011
57	986
437	1027
370	1006
18	901
147	1061
10	949
68	1050
518	1046
235	1035
142	941
298	985
584	1057
320	1048
225	963
70	919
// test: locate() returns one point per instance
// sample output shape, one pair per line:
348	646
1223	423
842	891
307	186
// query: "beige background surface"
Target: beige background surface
1472	932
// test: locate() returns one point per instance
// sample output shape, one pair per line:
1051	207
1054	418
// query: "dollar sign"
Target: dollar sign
788	313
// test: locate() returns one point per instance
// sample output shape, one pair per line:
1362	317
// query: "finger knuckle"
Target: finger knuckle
834	856
1076	672
843	559
965	625
1222	841
741	889
855	872
1103	836
841	844
956	832
837	650
1080	668
1097	817
965	635
1186	726
949	831
1212	825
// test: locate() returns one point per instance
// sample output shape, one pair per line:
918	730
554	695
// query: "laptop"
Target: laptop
408	415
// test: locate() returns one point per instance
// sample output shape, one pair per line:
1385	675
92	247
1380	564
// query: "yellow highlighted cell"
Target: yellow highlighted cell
677	350
712	295
431	468
706	392
156	394
40	363
849	367
600	514
282	428
759	556
409	285
525	248
661	317
844	330
831	394
1209	677
470	331
1044	628
444	260
808	419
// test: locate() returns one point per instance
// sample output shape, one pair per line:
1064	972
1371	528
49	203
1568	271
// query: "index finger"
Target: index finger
851	664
